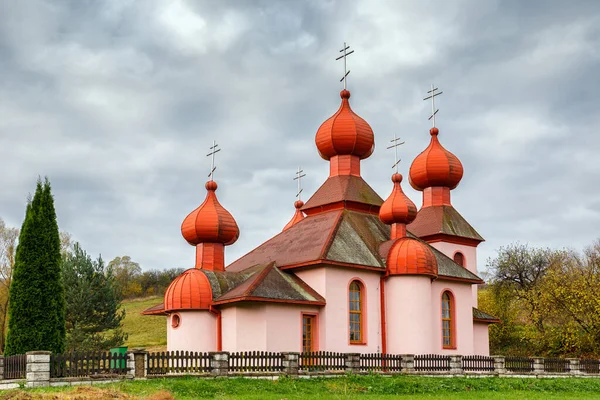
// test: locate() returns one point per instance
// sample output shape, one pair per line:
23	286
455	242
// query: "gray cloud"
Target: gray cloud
117	102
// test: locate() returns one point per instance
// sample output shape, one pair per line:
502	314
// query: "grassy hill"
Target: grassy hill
145	331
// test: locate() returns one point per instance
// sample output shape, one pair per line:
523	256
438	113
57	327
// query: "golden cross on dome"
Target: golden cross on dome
431	96
299	176
394	146
213	150
346	54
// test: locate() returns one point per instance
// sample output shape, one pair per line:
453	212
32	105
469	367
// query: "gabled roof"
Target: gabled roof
480	316
344	188
435	220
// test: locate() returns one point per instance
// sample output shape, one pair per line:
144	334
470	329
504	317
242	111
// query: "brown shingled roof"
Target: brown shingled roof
347	188
480	316
436	220
158	309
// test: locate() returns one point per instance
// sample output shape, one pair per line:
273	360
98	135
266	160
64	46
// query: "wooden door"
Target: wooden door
308	333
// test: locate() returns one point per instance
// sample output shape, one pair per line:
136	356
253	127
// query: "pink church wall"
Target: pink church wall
197	331
263	326
408	314
481	339
463	316
333	319
470	254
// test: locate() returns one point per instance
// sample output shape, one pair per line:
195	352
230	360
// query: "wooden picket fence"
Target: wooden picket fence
589	366
518	364
380	362
255	361
432	362
557	365
15	367
320	361
87	364
178	362
477	363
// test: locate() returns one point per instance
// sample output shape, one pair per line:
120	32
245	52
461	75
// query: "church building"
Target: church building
350	272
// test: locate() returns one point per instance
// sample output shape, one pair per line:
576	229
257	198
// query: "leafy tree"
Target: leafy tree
37	304
94	315
126	273
8	247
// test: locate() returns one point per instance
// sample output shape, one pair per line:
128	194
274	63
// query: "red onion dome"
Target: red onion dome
298	215
398	208
345	133
409	256
435	166
189	291
210	223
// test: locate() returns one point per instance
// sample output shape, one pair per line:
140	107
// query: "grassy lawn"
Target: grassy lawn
145	330
352	387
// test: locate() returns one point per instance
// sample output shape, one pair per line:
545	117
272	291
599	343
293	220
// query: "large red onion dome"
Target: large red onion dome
189	291
435	166
345	133
409	256
210	223
398	208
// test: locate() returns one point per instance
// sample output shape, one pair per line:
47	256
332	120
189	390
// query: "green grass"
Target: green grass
355	387
149	331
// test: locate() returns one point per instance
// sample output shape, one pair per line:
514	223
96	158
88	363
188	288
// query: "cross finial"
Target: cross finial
299	175
346	54
431	96
213	150
394	146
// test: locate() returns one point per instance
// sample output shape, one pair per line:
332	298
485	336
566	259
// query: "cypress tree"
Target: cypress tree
37	298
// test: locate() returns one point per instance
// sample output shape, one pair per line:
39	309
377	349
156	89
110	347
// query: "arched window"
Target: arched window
459	258
448	334
356	305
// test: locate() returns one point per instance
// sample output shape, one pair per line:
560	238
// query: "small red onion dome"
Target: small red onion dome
435	166
210	223
398	208
345	133
298	215
189	291
409	256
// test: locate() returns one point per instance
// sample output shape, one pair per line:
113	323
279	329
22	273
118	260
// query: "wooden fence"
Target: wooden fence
255	361
15	367
320	361
518	364
432	362
477	363
178	362
87	364
589	366
380	362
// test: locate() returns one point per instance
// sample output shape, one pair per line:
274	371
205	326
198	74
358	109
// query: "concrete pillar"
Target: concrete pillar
38	368
407	362
219	363
291	363
352	363
1	366
499	364
139	363
538	365
574	366
456	365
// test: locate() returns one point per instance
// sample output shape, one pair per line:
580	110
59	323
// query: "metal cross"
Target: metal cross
432	97
346	54
213	150
299	176
394	146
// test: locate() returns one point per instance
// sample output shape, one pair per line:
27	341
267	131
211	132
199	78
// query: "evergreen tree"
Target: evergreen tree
37	299
94	316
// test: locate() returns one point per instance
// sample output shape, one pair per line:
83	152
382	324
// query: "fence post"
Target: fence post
456	365
499	365
574	366
219	363
38	368
352	363
1	366
137	363
407	362
291	363
538	365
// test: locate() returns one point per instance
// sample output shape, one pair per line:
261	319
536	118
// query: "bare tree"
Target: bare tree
8	246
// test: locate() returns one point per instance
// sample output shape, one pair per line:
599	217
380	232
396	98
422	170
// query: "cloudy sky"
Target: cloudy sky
117	102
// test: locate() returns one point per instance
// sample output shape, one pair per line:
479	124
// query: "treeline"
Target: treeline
548	301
